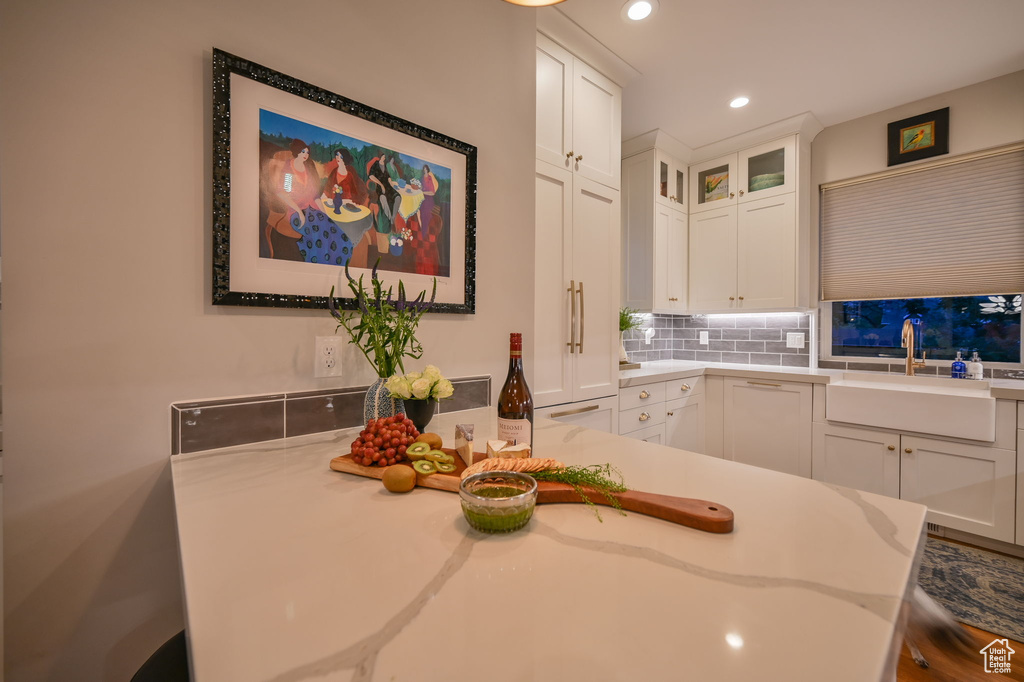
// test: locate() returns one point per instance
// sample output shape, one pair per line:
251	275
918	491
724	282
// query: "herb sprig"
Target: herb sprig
594	478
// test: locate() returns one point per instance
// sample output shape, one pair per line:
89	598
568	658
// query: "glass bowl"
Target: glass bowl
498	501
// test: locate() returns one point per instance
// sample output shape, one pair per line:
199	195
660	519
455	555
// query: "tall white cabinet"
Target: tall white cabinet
577	231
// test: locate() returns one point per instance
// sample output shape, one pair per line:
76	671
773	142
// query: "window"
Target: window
873	329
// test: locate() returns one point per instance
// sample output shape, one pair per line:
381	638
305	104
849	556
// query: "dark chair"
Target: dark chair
169	663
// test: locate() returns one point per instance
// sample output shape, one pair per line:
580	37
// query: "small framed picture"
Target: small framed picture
919	137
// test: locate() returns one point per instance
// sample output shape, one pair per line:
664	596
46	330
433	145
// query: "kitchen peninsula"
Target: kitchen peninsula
293	572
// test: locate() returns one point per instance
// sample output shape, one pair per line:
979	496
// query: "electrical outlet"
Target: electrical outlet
327	357
703	338
794	340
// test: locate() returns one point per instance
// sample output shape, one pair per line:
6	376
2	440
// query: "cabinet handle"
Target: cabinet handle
907	450
672	198
671	414
581	410
583	310
892	447
741	298
732	194
741	192
569	154
645	394
572	319
764	383
684	387
579	158
732	298
644	416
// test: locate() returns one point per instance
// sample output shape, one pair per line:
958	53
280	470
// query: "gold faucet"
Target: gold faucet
908	343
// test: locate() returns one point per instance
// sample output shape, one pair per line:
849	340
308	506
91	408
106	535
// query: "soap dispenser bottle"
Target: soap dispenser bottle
975	370
959	368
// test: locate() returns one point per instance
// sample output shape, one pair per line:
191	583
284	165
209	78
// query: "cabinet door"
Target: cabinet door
599	415
596	126
713	184
713	260
671	261
595	268
637	242
554	103
670	181
650	434
768	424
766	170
766	253
967	487
863	459
552	379
684	423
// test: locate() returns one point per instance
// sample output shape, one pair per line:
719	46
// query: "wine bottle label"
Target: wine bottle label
515	431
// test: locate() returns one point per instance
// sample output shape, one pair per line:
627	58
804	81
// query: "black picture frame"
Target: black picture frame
931	128
389	130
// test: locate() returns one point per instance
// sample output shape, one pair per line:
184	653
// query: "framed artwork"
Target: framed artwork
919	137
307	182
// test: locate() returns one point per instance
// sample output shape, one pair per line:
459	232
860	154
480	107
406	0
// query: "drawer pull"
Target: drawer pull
764	383
908	450
581	410
645	394
671	414
644	416
892	447
684	387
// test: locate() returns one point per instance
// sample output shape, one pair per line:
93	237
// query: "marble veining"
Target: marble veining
881	523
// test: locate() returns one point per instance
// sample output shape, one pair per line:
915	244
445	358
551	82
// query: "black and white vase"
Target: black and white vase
380	403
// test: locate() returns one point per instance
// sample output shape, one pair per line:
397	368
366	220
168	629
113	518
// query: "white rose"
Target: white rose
421	389
432	373
413	376
399	387
443	389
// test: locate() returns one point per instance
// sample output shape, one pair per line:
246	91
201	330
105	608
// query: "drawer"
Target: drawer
684	388
639	396
641	417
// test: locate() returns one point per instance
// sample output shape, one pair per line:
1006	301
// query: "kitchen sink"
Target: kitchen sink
958	408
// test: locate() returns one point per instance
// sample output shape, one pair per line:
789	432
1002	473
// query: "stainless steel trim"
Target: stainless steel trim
581	410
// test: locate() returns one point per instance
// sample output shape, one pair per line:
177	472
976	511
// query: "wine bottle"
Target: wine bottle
515	404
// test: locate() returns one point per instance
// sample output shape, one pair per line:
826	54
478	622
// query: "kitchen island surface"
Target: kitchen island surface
292	572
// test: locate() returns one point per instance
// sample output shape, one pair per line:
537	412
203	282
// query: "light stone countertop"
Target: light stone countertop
667	370
292	572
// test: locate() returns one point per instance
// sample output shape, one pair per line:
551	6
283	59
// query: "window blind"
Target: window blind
955	228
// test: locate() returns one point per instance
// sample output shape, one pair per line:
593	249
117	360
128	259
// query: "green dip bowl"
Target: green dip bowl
498	501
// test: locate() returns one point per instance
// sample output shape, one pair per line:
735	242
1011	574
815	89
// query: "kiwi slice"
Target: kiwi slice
439	456
445	467
417	449
423	467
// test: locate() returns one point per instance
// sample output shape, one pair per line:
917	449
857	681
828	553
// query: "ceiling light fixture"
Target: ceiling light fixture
739	102
534	3
637	10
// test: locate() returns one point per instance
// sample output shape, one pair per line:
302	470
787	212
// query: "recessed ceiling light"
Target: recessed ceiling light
739	102
637	10
535	3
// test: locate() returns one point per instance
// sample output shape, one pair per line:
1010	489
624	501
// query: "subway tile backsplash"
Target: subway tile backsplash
746	339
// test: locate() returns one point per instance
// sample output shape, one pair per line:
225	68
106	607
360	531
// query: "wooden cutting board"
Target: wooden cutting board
686	511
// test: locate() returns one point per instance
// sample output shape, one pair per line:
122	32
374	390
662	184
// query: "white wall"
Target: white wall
981	116
105	198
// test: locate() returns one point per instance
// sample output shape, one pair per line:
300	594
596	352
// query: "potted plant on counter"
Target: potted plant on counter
384	329
629	319
420	391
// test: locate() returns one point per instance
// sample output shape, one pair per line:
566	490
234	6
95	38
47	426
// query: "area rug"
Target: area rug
978	587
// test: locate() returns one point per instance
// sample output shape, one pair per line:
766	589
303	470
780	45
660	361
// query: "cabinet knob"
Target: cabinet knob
732	194
907	450
569	154
741	192
579	158
684	387
671	414
741	298
672	198
645	394
644	416
732	298
892	447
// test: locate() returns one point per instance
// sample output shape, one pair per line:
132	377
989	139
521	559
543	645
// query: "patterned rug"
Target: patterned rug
980	588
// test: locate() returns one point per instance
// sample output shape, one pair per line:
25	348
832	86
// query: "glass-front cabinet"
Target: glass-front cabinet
759	172
671	181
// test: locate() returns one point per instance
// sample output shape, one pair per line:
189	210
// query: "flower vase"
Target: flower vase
380	403
623	358
420	412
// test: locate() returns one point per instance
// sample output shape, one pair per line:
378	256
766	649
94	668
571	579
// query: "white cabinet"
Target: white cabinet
655	239
599	415
669	412
864	459
649	434
749	243
576	294
684	423
967	487
579	115
768	424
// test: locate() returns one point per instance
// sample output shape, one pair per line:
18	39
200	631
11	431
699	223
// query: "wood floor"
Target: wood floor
953	666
